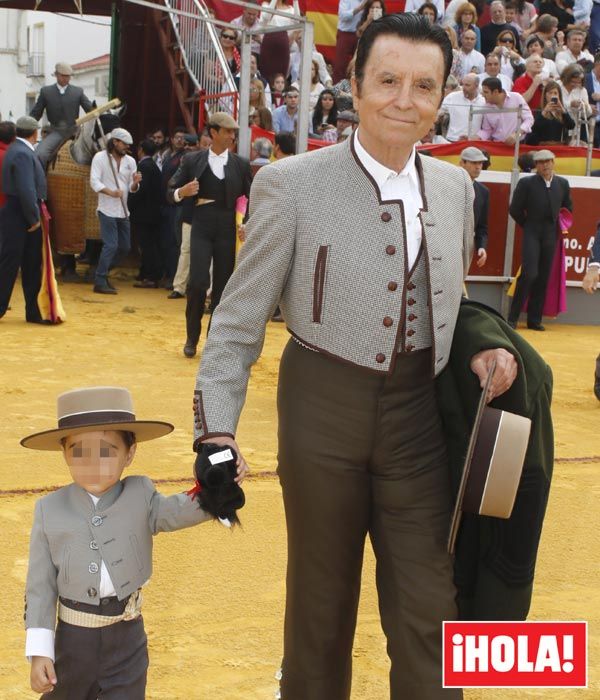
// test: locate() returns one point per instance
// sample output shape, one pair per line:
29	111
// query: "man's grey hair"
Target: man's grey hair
263	147
496	2
474	76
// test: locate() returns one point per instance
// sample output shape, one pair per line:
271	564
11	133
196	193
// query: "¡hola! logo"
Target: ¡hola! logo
515	654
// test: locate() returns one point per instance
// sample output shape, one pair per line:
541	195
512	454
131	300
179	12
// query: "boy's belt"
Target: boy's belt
133	609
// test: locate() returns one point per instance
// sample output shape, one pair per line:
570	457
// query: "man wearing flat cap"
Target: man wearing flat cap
61	102
535	206
472	160
24	184
215	179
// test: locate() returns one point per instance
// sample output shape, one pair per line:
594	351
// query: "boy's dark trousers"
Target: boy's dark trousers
105	663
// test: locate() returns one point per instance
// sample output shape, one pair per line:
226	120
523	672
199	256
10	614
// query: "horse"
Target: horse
92	135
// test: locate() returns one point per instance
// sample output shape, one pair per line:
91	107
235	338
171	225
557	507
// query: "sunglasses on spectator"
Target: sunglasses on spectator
228	36
507	40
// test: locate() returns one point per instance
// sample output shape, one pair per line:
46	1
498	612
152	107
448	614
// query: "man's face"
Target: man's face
249	16
470	86
159	138
510	13
63	79
498	13
474	169
492	66
401	91
495	97
468	41
342	124
575	43
291	101
223	139
205	142
178	141
120	147
253	64
97	459
545	168
535	65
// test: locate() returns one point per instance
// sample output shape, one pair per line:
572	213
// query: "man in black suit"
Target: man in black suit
536	203
61	102
24	184
590	284
144	215
215	179
472	160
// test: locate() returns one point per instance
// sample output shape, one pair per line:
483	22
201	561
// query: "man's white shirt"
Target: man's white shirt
457	106
102	177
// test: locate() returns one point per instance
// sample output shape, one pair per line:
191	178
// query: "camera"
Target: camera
554	100
377	13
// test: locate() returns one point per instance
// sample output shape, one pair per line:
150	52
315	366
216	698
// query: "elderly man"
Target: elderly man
24	186
463	124
531	83
368	269
574	53
536	203
491	31
262	148
492	70
471	61
472	160
504	126
62	102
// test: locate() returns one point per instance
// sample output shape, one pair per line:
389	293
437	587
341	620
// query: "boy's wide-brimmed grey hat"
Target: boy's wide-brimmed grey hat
95	408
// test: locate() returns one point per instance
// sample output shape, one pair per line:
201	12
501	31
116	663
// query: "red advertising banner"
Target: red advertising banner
515	655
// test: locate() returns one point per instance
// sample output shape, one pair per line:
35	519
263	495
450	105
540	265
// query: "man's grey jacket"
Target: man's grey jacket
70	538
322	245
61	110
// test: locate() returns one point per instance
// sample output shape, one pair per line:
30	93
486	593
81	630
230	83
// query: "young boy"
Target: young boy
91	551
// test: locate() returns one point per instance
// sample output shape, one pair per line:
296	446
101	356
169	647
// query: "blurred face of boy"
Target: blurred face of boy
97	459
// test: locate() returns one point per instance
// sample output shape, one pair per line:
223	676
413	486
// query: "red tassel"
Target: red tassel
192	493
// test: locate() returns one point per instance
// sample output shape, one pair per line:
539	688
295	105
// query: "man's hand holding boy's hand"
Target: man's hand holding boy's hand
43	676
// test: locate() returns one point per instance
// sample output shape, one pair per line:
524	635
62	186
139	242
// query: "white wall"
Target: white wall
13	63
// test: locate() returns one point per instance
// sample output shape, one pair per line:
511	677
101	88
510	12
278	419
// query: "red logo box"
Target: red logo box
515	654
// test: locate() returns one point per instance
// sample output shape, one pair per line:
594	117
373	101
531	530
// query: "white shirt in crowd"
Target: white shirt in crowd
39	641
472	62
347	20
456	105
269	20
295	59
393	186
549	70
101	177
504	79
565	58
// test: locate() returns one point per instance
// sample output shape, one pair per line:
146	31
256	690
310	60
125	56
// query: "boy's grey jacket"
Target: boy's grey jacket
70	537
322	245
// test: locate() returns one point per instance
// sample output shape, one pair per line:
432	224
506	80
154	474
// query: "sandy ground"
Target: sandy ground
213	608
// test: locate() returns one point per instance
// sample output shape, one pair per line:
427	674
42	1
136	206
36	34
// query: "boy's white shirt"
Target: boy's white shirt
39	641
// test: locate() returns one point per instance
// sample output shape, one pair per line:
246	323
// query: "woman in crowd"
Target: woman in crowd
525	16
374	9
275	49
535	47
456	69
575	98
316	86
429	11
561	10
262	118
257	94
228	40
552	123
546	28
343	90
508	54
324	116
466	18
277	90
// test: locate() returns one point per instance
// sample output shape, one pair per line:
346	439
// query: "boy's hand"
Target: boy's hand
43	677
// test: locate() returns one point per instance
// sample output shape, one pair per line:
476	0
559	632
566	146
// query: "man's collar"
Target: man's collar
26	142
62	88
381	173
222	156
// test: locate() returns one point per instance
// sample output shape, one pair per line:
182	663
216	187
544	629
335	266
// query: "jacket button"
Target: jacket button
104	601
412	317
410	332
386	216
92	592
410	286
97	520
410	301
93	568
93	544
380	357
392	286
410	348
387	321
391	250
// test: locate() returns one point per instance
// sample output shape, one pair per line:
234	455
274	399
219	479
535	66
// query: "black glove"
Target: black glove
219	495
